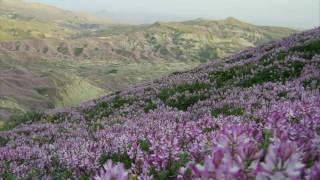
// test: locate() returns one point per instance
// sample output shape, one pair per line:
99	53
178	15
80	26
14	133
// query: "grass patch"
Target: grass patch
275	74
267	135
182	102
144	145
105	109
224	78
7	175
283	94
228	110
283	71
309	49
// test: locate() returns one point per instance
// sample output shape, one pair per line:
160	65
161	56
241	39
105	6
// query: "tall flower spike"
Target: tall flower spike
283	161
111	172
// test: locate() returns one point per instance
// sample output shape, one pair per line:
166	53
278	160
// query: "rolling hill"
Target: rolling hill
22	20
196	40
254	114
53	58
199	40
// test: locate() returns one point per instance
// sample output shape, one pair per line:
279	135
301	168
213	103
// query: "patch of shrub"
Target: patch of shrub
42	90
281	55
105	109
59	171
168	92
150	105
116	158
164	51
312	83
45	50
63	50
3	141
144	145
309	49
43	140
57	118
77	51
112	71
172	171
275	73
182	102
223	78
283	94
7	175
267	135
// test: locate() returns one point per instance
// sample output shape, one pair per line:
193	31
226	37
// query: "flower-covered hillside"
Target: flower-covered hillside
254	115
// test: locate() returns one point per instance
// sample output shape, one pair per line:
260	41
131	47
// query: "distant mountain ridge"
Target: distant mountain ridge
21	20
193	40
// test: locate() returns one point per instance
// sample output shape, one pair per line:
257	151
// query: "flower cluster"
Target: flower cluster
110	172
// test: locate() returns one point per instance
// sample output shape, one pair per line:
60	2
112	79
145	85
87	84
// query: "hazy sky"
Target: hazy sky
293	13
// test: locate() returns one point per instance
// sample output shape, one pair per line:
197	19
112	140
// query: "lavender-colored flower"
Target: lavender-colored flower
315	172
112	172
283	161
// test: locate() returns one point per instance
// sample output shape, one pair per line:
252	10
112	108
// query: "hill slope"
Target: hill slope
22	20
251	115
103	61
198	39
